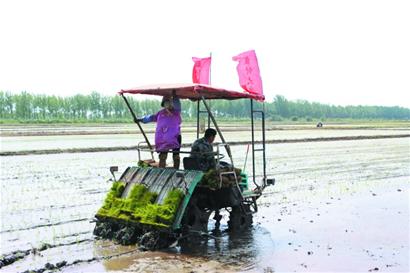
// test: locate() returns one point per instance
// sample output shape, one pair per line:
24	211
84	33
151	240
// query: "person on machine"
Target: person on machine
168	130
202	150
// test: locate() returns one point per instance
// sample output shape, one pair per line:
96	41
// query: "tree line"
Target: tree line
28	107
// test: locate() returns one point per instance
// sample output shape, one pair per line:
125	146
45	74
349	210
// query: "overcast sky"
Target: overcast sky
337	52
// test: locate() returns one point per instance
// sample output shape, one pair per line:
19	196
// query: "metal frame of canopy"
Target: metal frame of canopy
192	91
202	93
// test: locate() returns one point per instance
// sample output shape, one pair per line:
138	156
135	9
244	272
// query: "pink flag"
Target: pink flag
200	72
248	71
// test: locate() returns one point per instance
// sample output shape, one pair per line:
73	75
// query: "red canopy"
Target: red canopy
192	91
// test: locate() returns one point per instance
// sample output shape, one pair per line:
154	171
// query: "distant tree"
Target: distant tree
282	106
26	106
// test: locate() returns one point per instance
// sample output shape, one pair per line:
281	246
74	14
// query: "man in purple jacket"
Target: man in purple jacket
168	131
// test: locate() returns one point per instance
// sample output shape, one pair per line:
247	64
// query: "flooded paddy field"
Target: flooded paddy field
336	206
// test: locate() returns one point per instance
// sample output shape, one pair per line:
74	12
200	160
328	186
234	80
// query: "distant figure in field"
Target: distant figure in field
319	124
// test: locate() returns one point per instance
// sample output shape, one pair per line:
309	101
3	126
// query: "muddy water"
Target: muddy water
336	206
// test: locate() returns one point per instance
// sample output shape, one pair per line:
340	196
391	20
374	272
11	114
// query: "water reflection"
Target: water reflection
220	250
249	250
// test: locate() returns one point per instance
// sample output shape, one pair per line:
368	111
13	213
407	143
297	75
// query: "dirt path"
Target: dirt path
232	143
188	127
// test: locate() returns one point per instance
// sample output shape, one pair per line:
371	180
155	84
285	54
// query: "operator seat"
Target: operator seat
191	163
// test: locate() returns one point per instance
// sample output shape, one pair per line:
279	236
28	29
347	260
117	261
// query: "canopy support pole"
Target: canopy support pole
139	125
228	149
253	143
197	119
210	82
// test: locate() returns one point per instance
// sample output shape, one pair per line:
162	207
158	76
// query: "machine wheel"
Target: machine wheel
240	219
154	240
195	218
